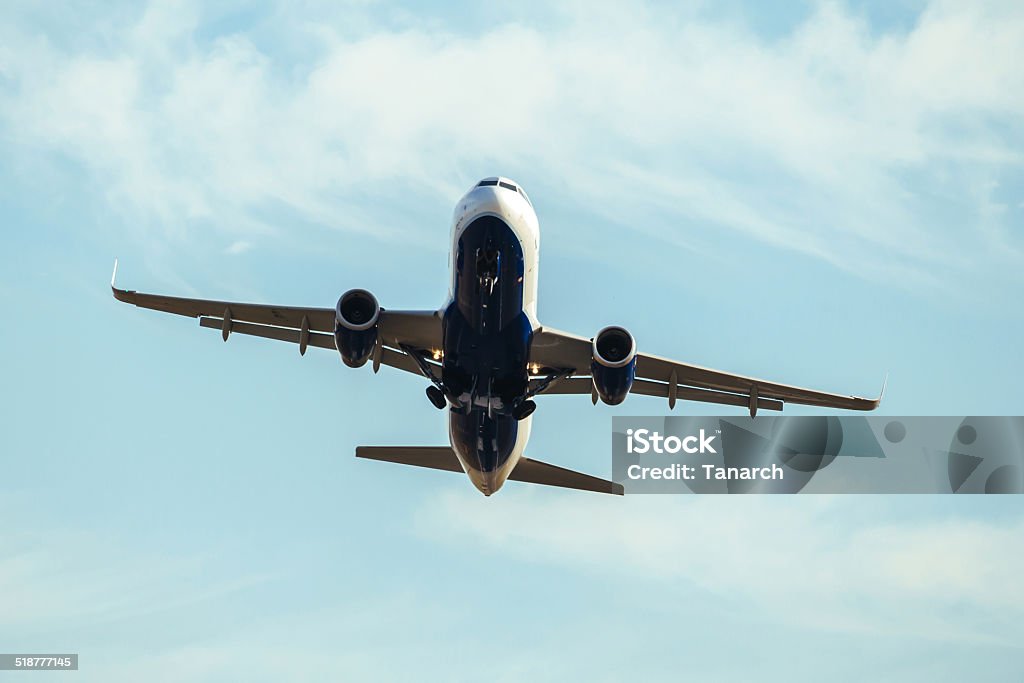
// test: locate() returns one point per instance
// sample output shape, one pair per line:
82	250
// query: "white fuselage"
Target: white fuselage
513	208
517	212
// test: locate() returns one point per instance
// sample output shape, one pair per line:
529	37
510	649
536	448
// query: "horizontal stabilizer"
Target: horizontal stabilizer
434	457
537	472
529	471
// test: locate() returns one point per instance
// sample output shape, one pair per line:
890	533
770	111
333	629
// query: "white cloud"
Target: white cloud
77	577
835	563
855	147
238	247
353	641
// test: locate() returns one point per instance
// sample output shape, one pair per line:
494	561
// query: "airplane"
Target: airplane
484	352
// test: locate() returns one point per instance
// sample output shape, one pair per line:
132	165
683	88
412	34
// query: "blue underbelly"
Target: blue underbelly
486	343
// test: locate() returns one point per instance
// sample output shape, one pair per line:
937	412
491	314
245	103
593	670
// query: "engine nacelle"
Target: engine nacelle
613	364
355	326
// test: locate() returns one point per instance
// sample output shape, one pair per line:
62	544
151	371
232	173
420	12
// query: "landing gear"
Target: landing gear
524	410
436	397
488	265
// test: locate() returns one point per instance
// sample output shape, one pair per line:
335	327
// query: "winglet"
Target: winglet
882	392
119	294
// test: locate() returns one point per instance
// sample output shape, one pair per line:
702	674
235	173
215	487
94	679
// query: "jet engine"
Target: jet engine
613	364
355	326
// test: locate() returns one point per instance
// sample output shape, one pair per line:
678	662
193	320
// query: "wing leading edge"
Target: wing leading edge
300	325
657	376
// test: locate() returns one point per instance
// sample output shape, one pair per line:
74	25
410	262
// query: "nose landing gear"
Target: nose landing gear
488	265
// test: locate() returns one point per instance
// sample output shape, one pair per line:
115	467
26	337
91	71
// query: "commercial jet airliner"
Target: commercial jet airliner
485	354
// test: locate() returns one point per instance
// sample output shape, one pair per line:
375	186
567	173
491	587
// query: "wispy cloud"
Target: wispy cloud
814	561
77	577
238	247
876	152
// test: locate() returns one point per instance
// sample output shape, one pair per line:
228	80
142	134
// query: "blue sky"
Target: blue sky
821	196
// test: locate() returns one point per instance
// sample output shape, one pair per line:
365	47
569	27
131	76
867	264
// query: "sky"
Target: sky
822	194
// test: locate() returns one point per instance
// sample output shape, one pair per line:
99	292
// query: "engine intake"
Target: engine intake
355	326
613	364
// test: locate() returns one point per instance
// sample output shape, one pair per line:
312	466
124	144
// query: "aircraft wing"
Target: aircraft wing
419	330
657	376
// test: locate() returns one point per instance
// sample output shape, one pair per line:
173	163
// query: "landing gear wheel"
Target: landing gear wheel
436	397
524	410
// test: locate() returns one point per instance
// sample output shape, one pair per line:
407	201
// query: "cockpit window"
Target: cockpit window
491	182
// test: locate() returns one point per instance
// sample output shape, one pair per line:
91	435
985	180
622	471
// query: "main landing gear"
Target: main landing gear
436	397
524	410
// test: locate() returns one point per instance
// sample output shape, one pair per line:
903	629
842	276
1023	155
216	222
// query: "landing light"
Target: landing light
437	354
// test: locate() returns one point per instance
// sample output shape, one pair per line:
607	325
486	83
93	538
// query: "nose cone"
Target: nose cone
497	196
